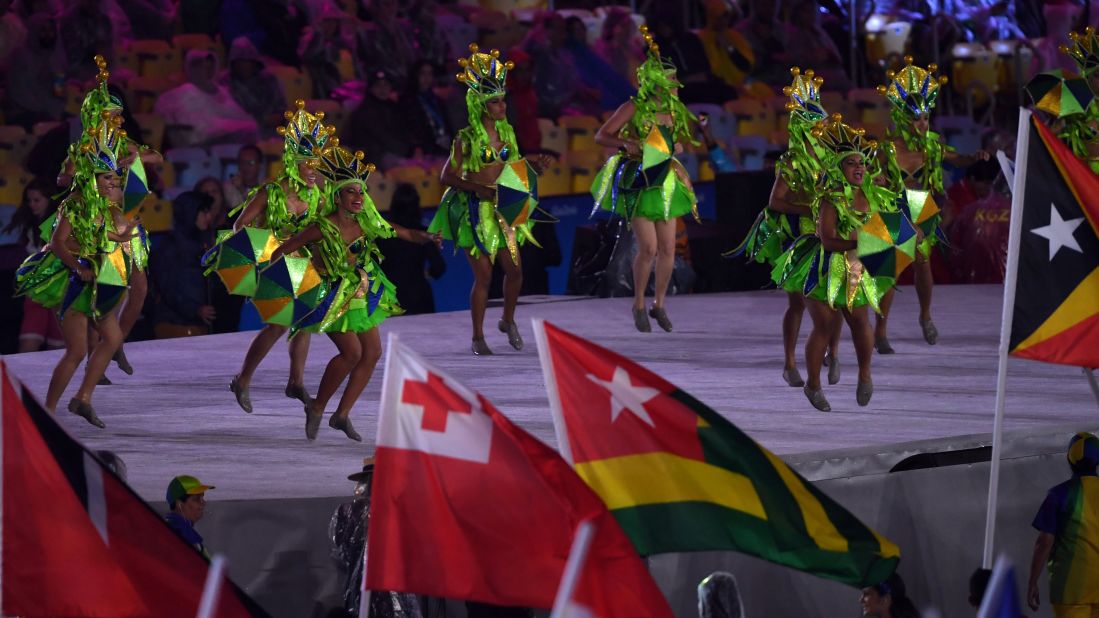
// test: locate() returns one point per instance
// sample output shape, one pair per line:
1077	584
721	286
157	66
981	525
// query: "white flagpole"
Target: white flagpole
364	594
550	379
211	592
3	413
1008	313
581	543
1006	167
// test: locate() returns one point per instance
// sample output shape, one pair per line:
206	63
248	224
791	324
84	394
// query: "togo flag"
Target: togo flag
678	477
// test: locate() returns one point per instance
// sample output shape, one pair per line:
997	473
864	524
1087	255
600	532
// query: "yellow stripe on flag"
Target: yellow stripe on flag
817	523
889	549
660	478
1079	306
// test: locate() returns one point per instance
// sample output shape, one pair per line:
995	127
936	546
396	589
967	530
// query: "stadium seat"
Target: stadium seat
431	190
891	39
295	84
152	129
411	174
554	138
156	58
581	131
752	117
156	215
192	165
187	41
583	165
13	178
381	191
15	143
867	106
143	91
555	181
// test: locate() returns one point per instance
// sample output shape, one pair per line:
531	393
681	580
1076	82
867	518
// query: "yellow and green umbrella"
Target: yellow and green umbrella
137	187
887	244
516	192
657	152
238	256
1059	92
288	290
923	211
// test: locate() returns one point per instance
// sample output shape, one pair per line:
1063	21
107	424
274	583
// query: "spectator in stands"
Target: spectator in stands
40	328
321	47
253	87
768	38
88	28
596	74
888	599
425	114
151	19
408	265
1068	536
12	33
248	176
729	53
978	583
555	72
186	498
619	45
375	125
807	40
211	187
183	306
975	185
432	45
1061	18
385	44
522	102
35	78
208	110
686	51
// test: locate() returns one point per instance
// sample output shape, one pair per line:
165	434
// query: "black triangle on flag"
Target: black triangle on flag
80	542
1056	310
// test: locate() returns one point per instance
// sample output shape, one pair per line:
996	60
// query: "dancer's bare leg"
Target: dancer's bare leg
513	283
478	295
262	343
791	326
370	343
665	259
74	330
110	337
644	231
350	353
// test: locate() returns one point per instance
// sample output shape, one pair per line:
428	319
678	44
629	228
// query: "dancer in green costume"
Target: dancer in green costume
914	157
342	241
652	198
84	271
1081	130
285	206
467	214
826	267
789	214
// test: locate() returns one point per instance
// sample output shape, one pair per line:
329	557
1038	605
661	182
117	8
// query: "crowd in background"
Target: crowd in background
389	65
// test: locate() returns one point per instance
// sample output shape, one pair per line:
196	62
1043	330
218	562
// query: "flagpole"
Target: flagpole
211	591
559	429
1007	315
3	467
1090	374
573	567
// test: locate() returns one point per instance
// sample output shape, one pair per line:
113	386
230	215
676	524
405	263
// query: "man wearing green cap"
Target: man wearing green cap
1068	537
187	503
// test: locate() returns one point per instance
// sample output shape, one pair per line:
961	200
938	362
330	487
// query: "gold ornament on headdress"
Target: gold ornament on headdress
1084	50
305	132
804	95
913	90
842	140
102	147
483	73
340	165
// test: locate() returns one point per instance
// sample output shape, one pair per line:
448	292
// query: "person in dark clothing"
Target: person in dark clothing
404	262
182	297
425	117
685	49
376	126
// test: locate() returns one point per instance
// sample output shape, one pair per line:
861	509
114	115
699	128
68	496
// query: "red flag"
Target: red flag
467	505
76	540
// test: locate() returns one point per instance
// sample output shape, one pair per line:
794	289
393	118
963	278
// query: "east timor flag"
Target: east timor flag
679	477
1056	313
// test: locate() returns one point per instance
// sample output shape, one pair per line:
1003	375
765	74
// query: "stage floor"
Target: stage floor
175	415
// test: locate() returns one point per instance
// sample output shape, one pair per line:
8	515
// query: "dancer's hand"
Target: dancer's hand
207	314
540	163
435	238
86	274
982	155
485	192
632	147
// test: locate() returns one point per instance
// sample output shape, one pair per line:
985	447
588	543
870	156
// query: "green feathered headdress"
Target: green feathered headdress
1084	50
98	99
485	77
837	141
305	136
101	148
912	91
803	97
656	79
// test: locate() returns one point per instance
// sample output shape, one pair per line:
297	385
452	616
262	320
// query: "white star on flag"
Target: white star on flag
626	396
1059	232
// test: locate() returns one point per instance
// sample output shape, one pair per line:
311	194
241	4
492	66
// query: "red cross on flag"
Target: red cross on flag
466	505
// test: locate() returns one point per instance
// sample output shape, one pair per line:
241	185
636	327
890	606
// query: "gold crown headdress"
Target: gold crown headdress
305	132
102	146
339	165
841	140
804	95
1084	50
913	90
483	73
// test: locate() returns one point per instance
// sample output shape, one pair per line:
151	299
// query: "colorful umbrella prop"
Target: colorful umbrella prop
656	155
288	290
516	192
923	211
887	244
1059	92
137	187
237	257
112	279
